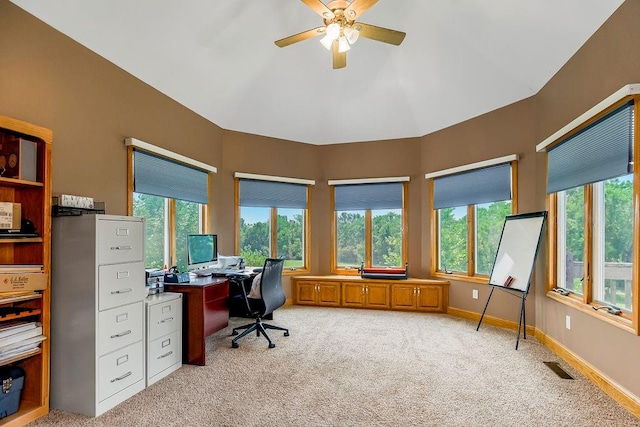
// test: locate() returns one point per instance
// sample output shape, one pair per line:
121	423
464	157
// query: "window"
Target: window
369	224
273	220
173	203
590	190
470	204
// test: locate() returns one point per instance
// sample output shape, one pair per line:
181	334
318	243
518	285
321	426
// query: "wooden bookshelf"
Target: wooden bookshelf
34	197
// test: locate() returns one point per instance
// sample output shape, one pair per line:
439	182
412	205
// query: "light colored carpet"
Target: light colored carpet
350	367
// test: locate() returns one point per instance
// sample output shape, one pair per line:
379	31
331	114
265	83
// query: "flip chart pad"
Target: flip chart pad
517	250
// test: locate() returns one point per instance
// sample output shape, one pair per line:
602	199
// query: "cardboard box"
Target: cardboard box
22	281
10	216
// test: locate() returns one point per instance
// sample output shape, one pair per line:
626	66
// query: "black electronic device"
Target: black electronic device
202	250
176	278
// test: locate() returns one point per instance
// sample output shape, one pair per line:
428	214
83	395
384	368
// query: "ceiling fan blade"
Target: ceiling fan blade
357	8
300	37
339	58
380	34
320	8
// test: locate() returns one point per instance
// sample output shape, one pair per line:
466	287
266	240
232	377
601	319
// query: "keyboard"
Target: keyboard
215	271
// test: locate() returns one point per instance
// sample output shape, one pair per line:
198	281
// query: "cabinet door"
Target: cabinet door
328	293
403	297
352	294
377	295
306	293
430	298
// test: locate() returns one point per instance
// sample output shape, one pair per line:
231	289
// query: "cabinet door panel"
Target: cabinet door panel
377	295
352	294
119	327
164	352
329	293
403	297
306	293
164	318
120	369
430	298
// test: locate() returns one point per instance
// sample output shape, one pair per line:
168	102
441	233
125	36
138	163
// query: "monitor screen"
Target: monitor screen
202	250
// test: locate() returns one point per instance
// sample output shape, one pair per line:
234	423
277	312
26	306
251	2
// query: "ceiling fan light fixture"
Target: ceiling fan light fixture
351	34
343	44
327	41
333	30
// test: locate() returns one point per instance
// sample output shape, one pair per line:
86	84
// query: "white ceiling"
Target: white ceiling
460	59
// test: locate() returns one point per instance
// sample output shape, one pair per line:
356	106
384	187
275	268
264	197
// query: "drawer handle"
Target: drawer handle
168	319
121	291
122	334
169	353
120	248
121	377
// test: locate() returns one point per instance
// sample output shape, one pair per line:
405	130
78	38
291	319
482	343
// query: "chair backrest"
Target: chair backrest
271	285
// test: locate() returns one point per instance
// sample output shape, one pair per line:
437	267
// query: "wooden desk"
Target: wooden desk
205	311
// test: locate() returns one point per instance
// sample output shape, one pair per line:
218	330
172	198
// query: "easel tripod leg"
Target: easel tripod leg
522	320
485	308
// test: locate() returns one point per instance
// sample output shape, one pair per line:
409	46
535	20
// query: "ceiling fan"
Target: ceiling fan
341	30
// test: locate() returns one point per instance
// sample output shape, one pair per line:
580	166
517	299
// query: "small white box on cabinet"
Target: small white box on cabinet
164	335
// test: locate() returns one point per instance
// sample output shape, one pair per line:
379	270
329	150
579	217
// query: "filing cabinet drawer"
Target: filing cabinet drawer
120	284
120	369
164	352
120	241
119	327
164	318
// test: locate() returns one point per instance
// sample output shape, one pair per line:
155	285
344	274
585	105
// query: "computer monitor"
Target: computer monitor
202	250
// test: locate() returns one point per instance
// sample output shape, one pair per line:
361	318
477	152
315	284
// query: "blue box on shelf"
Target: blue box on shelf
12	378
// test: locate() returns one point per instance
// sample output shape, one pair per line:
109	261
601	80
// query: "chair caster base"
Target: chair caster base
234	333
234	345
272	345
286	334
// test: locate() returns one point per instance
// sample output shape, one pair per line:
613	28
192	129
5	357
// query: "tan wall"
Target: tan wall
607	62
91	106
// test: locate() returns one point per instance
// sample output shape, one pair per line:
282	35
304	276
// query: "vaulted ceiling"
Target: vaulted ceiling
460	59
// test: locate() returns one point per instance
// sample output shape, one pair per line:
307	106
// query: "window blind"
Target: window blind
491	184
601	151
353	197
159	176
272	194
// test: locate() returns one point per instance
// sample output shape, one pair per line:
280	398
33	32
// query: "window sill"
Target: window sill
462	277
288	271
621	321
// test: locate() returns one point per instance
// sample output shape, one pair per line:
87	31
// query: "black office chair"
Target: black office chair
271	297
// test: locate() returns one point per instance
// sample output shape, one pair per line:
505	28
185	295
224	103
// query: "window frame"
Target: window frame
585	303
273	226
470	275
170	203
353	270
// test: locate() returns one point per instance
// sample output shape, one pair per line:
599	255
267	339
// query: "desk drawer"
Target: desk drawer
164	352
120	284
216	292
164	318
120	369
119	327
120	241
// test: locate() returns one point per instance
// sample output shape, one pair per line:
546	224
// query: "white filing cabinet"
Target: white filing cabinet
164	335
97	312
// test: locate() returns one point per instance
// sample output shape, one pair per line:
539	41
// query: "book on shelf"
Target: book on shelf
21	268
21	336
14	327
23	345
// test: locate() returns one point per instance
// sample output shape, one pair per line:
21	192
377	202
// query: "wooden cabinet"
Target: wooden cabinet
25	178
418	297
317	293
353	291
98	313
164	335
365	294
